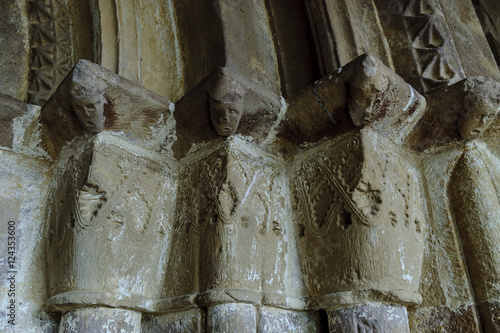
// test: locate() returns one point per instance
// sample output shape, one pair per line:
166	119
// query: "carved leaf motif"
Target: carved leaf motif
88	203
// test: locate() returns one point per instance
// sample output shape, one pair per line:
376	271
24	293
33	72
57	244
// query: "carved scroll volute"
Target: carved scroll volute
108	201
359	210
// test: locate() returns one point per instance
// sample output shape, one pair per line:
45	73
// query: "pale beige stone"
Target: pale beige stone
257	111
108	200
283	320
191	320
232	317
357	197
92	99
100	320
198	224
376	318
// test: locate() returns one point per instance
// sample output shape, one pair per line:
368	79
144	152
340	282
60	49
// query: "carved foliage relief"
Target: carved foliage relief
352	198
120	203
229	214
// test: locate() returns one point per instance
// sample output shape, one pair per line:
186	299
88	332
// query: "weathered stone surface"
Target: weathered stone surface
376	318
52	46
92	99
231	200
361	222
364	93
280	320
15	55
464	110
422	46
258	62
106	202
444	281
444	319
488	12
469	38
490	316
266	215
293	45
139	40
22	222
232	317
474	196
344	30
100	320
13	116
193	320
225	103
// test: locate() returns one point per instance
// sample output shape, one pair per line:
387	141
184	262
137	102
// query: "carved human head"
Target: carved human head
226	103
87	101
481	105
368	85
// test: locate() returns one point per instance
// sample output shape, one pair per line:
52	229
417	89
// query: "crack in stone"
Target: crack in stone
323	105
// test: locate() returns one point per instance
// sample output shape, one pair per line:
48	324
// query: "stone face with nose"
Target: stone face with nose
225	116
481	105
226	96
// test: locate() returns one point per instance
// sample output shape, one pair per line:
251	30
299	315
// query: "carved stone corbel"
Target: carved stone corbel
364	93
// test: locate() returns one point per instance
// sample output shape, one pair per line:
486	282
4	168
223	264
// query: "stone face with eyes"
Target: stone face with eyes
477	118
89	110
225	116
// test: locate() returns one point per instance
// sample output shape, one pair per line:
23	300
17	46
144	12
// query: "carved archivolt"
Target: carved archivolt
432	44
51	47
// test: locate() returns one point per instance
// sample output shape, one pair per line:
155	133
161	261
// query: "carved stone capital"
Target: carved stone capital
111	205
361	222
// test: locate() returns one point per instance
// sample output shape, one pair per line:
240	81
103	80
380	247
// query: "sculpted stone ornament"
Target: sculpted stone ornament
111	194
357	192
363	93
91	99
481	105
474	191
226	98
88	101
223	104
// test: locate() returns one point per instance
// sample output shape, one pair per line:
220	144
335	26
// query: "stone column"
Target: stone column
375	318
100	319
232	317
